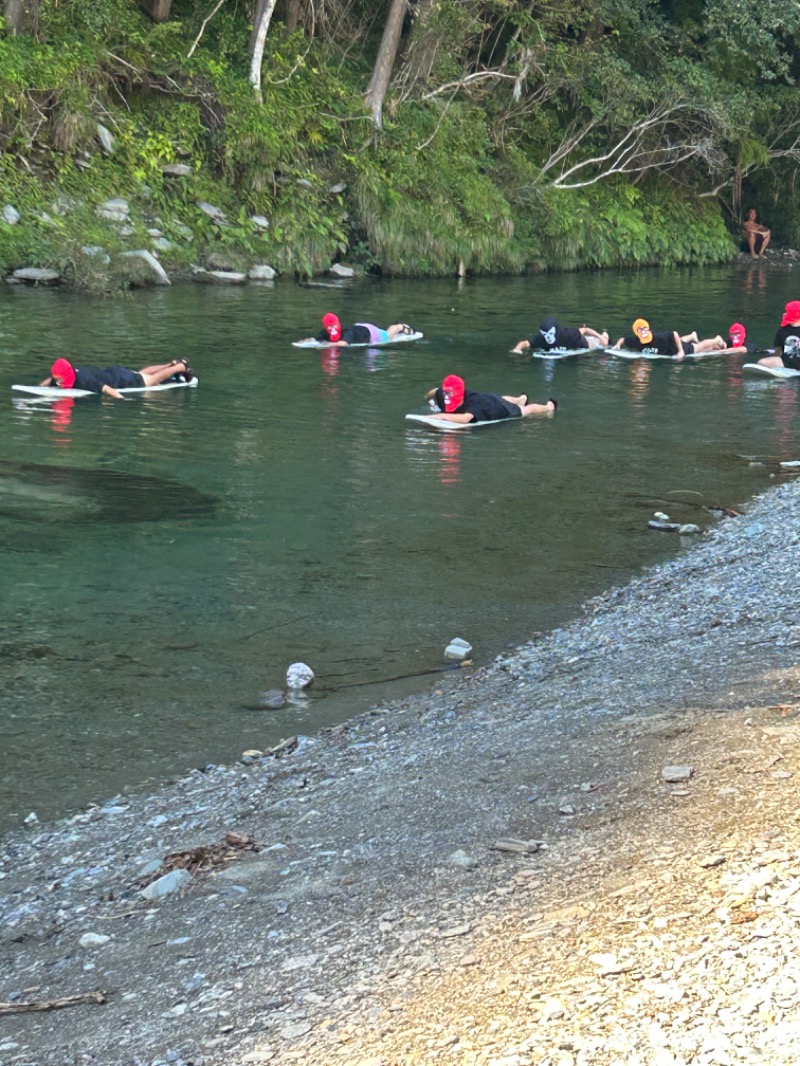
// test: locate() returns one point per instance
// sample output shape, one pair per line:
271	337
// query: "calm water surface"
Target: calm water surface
166	558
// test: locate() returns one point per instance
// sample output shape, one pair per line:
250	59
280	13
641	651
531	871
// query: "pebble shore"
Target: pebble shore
584	853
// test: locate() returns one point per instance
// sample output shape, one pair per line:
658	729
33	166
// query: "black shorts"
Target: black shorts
688	348
120	377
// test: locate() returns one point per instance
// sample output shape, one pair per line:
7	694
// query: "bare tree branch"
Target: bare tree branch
206	21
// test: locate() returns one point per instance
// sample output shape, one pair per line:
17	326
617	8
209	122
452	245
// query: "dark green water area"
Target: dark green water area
165	559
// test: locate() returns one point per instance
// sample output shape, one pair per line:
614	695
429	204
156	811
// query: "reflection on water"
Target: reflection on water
34	492
174	553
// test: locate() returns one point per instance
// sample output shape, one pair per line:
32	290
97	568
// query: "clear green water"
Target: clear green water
166	558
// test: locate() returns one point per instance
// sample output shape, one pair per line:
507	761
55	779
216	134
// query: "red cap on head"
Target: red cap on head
453	389
791	313
737	334
333	327
62	368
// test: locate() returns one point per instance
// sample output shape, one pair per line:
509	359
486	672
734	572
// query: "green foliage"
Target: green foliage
492	102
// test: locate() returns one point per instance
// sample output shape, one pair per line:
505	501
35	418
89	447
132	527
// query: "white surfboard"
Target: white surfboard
401	337
49	392
782	373
566	353
444	424
624	353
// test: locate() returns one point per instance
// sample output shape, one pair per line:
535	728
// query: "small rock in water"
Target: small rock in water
273	699
299	675
689	529
457	649
673	774
32	818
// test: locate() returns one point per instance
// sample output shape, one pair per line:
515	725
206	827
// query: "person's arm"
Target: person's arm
107	390
520	346
587	331
619	343
47	383
681	354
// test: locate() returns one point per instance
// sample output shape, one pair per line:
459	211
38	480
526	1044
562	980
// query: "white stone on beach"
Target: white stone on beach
674	774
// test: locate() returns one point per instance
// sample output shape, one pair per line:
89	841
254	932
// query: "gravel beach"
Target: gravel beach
586	852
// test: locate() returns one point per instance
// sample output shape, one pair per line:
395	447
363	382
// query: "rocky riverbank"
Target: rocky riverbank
587	852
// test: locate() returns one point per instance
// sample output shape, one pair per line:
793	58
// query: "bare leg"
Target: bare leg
531	408
771	360
397	328
713	344
751	241
154	375
690	338
764	242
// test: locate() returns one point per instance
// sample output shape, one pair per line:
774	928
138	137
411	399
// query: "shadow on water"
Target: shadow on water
37	492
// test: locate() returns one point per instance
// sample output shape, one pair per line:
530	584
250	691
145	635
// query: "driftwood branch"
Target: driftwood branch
100	996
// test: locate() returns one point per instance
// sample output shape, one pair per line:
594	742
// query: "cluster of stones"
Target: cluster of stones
117	212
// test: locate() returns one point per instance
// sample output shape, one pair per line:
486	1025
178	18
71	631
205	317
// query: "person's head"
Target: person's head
737	334
751	214
791	314
332	326
641	327
63	373
548	329
452	392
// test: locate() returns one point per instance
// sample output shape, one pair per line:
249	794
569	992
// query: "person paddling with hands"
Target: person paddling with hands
670	342
111	379
334	333
457	403
554	338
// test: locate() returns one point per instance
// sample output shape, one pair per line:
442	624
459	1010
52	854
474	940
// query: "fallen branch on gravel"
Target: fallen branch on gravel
53	1004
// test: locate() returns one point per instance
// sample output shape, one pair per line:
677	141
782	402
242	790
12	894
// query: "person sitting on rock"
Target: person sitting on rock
670	342
456	403
554	338
755	237
333	332
110	380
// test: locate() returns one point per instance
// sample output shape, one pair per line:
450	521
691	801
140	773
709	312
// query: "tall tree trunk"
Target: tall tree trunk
387	53
158	10
264	10
21	16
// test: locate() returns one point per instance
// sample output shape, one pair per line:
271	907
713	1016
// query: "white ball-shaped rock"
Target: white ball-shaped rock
299	675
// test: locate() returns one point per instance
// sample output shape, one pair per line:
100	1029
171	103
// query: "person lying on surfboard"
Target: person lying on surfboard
110	380
739	345
670	342
787	340
554	338
457	403
333	332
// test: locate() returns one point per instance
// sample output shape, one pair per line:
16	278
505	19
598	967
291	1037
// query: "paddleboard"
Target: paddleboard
782	373
567	353
49	392
444	424
401	337
623	353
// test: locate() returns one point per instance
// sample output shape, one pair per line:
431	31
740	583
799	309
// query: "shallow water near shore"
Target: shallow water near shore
167	557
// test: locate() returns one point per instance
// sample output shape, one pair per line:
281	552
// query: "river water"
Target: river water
166	558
